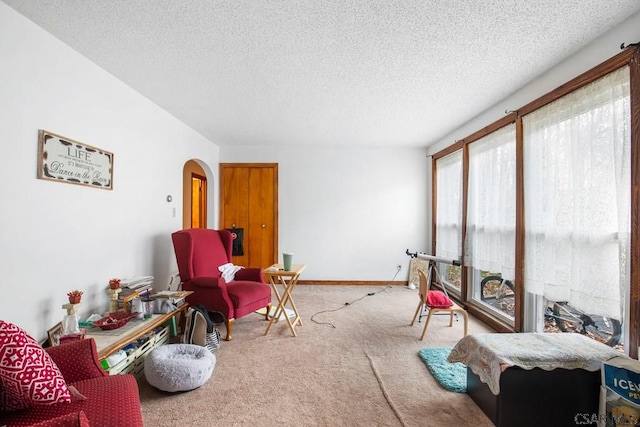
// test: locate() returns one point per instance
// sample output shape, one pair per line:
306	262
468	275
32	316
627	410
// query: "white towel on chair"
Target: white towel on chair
229	271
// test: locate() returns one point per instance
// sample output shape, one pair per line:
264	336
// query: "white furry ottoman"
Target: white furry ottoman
179	367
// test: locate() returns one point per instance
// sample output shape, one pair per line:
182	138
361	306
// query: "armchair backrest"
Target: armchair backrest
200	251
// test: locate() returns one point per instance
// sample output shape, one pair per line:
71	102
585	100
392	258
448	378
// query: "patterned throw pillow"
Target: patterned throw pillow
28	375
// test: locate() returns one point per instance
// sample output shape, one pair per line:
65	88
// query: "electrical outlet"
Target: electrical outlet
399	267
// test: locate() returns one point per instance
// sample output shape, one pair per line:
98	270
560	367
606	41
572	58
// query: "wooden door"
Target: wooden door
249	200
198	201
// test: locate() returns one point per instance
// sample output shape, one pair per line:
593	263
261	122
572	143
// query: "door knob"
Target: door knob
264	225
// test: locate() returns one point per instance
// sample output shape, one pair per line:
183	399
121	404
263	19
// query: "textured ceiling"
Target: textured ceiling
325	72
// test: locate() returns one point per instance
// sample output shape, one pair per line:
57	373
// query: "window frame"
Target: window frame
628	57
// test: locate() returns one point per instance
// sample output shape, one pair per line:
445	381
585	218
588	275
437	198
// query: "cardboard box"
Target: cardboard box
620	393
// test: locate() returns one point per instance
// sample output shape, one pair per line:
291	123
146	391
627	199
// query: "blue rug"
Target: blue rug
451	376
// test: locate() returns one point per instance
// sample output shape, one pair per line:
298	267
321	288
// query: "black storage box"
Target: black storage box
537	398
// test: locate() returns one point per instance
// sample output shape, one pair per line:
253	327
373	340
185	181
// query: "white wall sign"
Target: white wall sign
65	160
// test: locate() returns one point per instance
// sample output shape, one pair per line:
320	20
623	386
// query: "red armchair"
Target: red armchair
109	400
199	253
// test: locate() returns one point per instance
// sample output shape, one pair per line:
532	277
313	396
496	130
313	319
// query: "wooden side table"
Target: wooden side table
110	342
288	279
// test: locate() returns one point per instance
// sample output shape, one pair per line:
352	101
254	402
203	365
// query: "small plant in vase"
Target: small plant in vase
74	296
114	284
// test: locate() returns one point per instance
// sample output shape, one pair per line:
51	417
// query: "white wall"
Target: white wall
348	213
57	237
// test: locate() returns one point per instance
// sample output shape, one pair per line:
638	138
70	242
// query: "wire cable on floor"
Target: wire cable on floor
347	304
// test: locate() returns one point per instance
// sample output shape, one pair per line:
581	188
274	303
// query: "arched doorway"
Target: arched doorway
198	200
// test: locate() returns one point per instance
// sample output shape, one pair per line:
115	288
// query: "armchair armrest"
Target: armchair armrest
211	292
250	274
77	360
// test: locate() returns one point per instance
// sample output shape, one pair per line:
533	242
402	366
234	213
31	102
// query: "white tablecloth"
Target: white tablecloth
488	355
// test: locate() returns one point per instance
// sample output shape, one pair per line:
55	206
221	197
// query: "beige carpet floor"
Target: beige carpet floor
358	366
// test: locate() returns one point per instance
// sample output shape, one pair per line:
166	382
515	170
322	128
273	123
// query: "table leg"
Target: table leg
279	307
287	298
293	306
292	284
283	299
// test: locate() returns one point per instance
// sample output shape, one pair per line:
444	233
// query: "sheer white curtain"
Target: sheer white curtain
491	205
577	196
449	206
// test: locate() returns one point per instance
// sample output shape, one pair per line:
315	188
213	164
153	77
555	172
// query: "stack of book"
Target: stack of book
139	285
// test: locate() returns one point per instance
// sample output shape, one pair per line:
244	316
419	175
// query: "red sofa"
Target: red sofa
109	400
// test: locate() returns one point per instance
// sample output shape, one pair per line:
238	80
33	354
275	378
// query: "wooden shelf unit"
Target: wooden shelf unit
134	363
109	344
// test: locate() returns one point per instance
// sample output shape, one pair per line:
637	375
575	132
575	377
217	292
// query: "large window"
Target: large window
577	200
489	249
449	216
550	210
